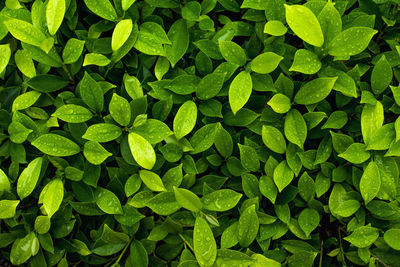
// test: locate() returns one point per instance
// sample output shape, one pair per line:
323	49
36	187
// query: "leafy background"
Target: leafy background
212	133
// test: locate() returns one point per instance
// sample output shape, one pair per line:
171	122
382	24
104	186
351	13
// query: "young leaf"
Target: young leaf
5	54
8	208
56	145
381	75
152	180
187	199
25	32
283	175
248	226
275	28
363	236
102	132
121	33
295	128
232	52
179	36
28	178
265	63
185	119
370	182
73	113
53	194
102	8
221	200
273	139
351	41
95	153
73	50
120	110
107	201
304	24
205	247
280	103
315	91
240	91
305	62
142	151
55	11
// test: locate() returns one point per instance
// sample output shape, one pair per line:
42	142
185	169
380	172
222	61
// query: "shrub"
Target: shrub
199	133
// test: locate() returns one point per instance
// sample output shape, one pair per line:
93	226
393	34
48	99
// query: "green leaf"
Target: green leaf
221	200
392	238
371	120
191	11
25	32
4	182
223	142
370	182
249	158
56	145
73	113
381	75
330	21
283	175
280	103
95	153
275	28
47	83
121	33
153	131
138	254
8	208
28	178
120	110
351	41
73	50
363	236
305	62
184	84
42	224
308	220
18	132
248	226
52	196
295	128
240	91
185	119
179	36
315	91
205	247
107	201
265	63
187	199
232	52
304	24
96	59
91	93
164	203
356	153
25	100
5	54
24	63
126	4
23	248
102	8
55	11
336	120
268	188
204	138
210	85
102	132
152	180
142	151
133	87
273	139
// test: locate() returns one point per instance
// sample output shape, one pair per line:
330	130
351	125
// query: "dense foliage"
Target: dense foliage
199	133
